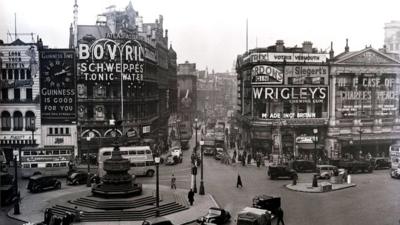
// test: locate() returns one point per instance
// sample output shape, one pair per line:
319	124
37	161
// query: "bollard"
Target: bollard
348	179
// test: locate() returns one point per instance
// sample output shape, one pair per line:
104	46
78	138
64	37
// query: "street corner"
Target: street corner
322	187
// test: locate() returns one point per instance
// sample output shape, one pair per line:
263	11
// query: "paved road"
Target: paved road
375	199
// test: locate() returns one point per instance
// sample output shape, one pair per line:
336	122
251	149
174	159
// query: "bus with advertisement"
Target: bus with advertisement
140	158
394	152
52	162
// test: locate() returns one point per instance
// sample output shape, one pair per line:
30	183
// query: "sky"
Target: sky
211	33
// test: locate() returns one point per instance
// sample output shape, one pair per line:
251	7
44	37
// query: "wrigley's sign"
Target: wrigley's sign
316	94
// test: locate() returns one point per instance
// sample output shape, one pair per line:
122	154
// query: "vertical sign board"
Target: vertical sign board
57	86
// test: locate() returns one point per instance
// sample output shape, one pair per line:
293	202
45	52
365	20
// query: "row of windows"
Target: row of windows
17	94
16	74
48	165
142	164
47	152
133	152
17	120
59	131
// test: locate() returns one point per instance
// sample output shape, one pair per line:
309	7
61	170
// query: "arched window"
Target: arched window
5	121
29	120
18	123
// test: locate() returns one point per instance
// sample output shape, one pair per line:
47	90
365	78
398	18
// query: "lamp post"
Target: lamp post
16	205
201	169
157	162
360	147
195	145
315	131
88	163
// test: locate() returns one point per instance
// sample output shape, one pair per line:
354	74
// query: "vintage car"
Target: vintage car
381	163
172	160
7	192
302	165
78	177
395	173
208	150
270	203
219	152
40	183
326	171
276	171
215	216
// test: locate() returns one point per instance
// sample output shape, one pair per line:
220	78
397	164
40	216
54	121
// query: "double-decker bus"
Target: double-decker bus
394	152
140	158
53	162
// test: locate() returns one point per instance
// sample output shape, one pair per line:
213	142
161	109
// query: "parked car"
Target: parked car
276	171
78	177
395	173
267	202
7	192
381	163
172	160
208	150
40	183
302	165
215	216
325	171
177	151
219	152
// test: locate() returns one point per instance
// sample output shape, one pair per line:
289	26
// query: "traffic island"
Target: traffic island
321	188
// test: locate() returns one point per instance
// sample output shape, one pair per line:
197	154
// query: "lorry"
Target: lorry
353	166
209	144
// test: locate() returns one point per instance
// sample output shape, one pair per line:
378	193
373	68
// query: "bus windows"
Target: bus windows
48	165
124	153
132	152
56	165
140	164
140	152
106	153
34	165
63	164
149	163
26	166
133	164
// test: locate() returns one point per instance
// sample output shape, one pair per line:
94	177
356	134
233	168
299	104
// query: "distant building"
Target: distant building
392	36
19	97
146	96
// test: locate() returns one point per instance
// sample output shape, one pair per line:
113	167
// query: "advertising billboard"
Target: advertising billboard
57	86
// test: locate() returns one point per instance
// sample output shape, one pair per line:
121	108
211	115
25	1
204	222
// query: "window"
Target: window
132	152
63	152
106	153
63	164
55	130
49	152
17	94
56	165
29	93
16	74
61	130
56	152
28	74
4	93
50	130
18	120
4	74
10	74
26	166
149	163
124	153
34	165
27	153
30	120
23	74
67	130
140	152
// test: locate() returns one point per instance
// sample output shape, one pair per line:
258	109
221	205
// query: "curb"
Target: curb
14	218
317	192
212	199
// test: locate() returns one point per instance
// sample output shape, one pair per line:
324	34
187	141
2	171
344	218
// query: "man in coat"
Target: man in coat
191	197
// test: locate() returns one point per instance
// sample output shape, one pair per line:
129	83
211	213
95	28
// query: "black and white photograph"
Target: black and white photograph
224	112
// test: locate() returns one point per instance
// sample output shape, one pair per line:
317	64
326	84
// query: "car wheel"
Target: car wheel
150	173
58	186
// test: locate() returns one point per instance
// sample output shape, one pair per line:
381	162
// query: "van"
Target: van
326	171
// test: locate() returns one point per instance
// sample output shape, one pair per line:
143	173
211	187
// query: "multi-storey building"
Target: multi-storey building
392	36
19	97
364	109
119	46
283	99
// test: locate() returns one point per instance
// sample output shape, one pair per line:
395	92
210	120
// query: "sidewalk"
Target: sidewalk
33	205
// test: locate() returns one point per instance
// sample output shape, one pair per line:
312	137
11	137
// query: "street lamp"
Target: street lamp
157	162
315	131
201	171
88	163
16	205
360	147
195	148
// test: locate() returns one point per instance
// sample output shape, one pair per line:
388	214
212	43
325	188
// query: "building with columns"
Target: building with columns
364	107
19	97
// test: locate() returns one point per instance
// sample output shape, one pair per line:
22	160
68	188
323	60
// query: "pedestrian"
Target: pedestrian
249	159
173	182
234	154
243	160
239	182
191	196
279	215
